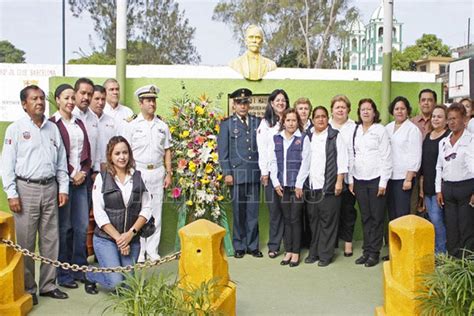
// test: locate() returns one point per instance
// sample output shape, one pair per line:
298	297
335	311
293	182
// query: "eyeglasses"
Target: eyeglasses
450	156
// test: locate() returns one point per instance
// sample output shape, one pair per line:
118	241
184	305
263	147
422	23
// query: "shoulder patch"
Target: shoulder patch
131	118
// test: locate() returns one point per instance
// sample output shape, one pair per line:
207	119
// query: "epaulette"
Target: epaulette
159	117
131	118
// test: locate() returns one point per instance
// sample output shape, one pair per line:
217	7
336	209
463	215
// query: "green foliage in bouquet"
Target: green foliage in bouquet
449	290
198	180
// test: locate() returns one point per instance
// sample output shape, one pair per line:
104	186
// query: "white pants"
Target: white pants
154	181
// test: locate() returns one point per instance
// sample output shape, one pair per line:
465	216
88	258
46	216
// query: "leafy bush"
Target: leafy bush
449	290
156	294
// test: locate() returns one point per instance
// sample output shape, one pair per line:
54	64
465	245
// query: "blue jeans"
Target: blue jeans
108	255
437	218
73	222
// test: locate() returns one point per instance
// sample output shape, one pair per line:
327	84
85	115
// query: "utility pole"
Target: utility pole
121	46
64	36
387	57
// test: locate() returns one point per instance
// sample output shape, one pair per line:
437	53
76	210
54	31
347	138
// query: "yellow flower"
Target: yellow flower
199	110
220	197
211	144
172	129
192	166
205	181
182	181
217	128
189	203
214	157
203	98
219	177
208	169
184	134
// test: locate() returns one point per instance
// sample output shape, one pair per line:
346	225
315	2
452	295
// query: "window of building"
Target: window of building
459	81
354	44
394	34
423	68
380	37
442	69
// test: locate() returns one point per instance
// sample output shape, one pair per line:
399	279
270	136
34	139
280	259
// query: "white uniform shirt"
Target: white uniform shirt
406	144
100	215
33	152
317	173
107	130
372	158
470	126
346	131
455	163
148	140
76	142
120	115
265	135
92	127
306	157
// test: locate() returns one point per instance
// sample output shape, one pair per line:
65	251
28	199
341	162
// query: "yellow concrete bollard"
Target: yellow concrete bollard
13	300
203	258
411	247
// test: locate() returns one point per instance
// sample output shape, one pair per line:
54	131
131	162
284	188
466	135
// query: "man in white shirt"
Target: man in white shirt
34	171
150	139
119	112
84	88
107	126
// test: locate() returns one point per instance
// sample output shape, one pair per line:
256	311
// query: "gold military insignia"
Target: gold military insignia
131	118
152	89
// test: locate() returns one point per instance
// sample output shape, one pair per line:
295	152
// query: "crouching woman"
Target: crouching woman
121	208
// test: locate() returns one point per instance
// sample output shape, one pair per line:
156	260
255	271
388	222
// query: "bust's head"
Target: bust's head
254	38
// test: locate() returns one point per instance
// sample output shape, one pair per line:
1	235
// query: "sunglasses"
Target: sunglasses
451	156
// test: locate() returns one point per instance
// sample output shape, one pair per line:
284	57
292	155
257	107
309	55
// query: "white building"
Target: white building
363	48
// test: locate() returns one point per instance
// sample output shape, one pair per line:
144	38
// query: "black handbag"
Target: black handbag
148	229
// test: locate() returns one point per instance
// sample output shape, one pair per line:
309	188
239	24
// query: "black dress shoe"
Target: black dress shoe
285	262
56	293
310	259
324	263
35	299
69	285
294	264
348	254
386	258
273	254
255	253
90	287
372	261
362	259
239	254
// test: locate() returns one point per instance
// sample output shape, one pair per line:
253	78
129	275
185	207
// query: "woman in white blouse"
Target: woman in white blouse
467	102
74	216
406	141
370	169
121	208
291	154
278	102
340	121
455	182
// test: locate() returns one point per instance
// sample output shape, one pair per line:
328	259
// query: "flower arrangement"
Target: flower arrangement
198	181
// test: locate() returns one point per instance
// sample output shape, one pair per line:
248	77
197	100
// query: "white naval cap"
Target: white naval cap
148	91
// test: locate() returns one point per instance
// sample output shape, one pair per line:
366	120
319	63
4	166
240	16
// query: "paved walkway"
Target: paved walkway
266	288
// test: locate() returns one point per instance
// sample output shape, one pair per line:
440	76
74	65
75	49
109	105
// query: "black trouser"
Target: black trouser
372	211
398	200
245	204
305	226
348	216
276	219
292	208
459	216
324	218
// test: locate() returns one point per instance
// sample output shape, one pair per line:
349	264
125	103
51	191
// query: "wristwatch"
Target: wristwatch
134	231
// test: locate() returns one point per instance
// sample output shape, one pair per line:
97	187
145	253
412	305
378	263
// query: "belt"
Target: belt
149	166
37	181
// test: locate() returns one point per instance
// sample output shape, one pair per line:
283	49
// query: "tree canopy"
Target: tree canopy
10	54
157	31
298	33
429	45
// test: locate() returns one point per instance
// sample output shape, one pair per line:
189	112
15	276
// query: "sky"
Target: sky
35	27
